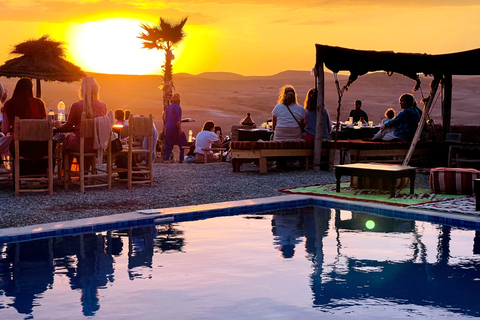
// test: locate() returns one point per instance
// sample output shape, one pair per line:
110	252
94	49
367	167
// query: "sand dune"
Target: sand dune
226	98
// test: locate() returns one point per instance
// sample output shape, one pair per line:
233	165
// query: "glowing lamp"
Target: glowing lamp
370	224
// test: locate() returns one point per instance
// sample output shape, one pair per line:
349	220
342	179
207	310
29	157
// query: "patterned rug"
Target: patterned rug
402	197
462	205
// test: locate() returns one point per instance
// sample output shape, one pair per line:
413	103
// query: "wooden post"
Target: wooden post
38	89
317	154
426	110
447	105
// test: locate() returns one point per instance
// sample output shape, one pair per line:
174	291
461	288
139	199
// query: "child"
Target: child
389	115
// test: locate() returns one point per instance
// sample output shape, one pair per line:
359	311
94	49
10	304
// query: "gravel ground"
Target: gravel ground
174	185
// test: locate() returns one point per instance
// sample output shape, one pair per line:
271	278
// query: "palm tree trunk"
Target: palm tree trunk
167	91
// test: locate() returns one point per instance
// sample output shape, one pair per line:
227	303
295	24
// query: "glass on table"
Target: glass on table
370	123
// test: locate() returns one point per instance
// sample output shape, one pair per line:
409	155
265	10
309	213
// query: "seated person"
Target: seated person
406	122
288	116
389	115
310	106
223	142
204	140
120	117
358	113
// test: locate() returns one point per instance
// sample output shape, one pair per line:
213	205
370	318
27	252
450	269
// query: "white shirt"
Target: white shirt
284	118
204	140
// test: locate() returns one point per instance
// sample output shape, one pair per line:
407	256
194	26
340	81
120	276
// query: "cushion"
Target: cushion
453	180
257	145
373	144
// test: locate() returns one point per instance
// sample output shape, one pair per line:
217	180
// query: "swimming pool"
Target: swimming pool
292	263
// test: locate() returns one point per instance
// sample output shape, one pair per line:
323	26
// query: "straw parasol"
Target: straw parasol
41	59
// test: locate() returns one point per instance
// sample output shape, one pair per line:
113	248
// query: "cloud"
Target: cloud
205	12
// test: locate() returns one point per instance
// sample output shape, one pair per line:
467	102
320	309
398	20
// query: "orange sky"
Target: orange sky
249	37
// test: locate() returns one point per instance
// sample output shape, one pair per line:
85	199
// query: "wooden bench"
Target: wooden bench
359	150
260	151
380	151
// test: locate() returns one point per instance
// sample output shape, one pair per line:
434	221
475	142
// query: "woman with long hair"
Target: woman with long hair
93	107
24	105
311	118
288	116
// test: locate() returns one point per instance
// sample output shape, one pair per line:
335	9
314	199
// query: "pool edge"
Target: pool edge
203	211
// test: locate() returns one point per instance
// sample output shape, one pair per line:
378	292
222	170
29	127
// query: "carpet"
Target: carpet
402	197
462	205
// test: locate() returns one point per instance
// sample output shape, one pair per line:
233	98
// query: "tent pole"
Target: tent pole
317	153
38	89
447	105
426	110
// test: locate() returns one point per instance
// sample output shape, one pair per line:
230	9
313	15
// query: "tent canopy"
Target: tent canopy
360	62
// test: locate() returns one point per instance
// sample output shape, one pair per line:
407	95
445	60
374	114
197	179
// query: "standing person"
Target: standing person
406	122
204	140
174	135
357	113
25	106
93	107
311	118
288	116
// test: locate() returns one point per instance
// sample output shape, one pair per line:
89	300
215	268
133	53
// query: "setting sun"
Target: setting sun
111	46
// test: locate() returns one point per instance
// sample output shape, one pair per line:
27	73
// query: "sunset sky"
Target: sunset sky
249	37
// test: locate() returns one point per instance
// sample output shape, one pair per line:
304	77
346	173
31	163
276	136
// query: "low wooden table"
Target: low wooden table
376	170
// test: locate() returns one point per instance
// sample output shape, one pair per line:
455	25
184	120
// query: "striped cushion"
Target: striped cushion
341	144
373	145
453	180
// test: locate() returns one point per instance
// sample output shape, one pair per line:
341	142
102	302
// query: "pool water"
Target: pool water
291	264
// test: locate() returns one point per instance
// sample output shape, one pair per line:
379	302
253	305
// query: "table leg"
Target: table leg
476	188
338	176
412	182
393	183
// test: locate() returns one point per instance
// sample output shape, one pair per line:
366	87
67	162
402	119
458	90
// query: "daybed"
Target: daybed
259	151
359	150
380	151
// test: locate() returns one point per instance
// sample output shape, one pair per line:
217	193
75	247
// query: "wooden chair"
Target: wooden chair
36	130
90	178
138	127
6	163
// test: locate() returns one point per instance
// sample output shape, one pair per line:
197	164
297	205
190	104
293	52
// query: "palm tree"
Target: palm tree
164	36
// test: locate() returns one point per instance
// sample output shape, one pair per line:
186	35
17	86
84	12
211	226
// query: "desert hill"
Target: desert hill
226	98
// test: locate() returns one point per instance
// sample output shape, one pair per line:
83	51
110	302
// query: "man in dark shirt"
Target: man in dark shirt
358	113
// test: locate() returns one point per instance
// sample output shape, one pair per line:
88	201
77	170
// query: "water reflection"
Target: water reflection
27	269
453	286
351	257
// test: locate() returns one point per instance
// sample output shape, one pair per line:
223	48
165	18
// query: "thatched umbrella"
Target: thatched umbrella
41	59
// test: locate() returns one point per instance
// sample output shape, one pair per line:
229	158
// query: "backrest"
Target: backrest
86	126
140	126
33	129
